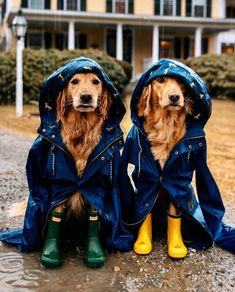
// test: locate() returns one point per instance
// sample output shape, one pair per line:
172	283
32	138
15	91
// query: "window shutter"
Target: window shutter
189	8
208	8
109	6
83	5
24	3
178	7
60	4
47	4
131	7
157	7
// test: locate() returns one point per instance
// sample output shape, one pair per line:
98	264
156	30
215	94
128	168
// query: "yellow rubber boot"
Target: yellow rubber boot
143	244
176	247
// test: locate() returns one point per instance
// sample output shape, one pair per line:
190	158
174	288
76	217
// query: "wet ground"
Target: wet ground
211	270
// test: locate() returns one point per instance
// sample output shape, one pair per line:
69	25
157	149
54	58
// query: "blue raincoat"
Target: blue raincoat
142	177
52	174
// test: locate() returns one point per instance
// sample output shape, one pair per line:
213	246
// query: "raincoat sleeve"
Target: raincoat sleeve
212	205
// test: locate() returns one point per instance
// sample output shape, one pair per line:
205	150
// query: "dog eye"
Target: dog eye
160	80
75	81
95	81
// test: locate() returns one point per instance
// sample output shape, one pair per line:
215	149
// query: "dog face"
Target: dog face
84	93
84	90
164	92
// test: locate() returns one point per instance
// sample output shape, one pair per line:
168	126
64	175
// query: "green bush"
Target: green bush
218	73
39	64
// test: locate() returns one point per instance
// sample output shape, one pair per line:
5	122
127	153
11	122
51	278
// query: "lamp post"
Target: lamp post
19	27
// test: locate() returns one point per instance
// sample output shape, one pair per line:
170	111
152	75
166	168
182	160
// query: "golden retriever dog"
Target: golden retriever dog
82	107
164	107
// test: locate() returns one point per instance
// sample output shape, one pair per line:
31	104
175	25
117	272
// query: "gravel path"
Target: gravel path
211	270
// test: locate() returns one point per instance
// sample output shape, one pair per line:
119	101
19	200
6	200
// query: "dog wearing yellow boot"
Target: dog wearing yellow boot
165	147
164	108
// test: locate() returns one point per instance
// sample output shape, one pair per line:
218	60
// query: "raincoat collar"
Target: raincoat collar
50	127
193	84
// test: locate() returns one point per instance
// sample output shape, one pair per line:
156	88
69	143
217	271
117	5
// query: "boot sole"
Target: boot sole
50	263
93	264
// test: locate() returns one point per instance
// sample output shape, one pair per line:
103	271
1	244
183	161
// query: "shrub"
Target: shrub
39	64
218	73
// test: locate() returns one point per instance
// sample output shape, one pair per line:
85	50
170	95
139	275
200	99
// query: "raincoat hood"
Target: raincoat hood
192	82
57	81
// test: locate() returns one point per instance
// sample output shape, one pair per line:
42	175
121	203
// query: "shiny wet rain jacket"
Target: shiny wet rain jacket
51	171
142	177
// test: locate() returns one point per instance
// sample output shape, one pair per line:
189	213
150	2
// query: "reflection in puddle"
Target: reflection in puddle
14	275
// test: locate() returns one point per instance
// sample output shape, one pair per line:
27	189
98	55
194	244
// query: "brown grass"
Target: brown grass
26	125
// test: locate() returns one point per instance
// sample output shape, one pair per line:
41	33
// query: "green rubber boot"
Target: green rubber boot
94	255
51	253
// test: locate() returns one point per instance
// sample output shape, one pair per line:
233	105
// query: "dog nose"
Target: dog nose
174	97
86	97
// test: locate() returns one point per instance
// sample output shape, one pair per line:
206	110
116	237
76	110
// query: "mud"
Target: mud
211	270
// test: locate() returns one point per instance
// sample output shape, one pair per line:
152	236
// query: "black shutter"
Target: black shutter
83	5
188	7
208	8
82	41
177	48
157	7
60	4
186	47
48	40
24	3
178	7
47	4
109	6
131	7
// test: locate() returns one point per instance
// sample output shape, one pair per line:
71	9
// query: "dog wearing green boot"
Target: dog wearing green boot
73	167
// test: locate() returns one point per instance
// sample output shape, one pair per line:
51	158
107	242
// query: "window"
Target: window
61	41
36	4
198	8
127	44
35	40
228	48
167	7
119	6
230	9
74	5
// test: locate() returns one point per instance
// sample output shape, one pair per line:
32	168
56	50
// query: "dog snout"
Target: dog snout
86	97
174	97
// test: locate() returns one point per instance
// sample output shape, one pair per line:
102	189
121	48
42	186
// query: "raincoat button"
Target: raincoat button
190	146
53	136
102	158
200	144
120	142
43	130
176	152
113	147
160	178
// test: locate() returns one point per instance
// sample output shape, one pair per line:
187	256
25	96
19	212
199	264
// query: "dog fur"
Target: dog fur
82	108
164	118
82	120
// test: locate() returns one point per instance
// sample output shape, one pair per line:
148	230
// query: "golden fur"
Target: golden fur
164	120
82	121
82	107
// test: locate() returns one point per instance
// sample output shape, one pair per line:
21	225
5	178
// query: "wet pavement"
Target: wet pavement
211	270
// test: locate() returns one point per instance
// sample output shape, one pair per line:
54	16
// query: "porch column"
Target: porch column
71	36
198	42
155	44
119	42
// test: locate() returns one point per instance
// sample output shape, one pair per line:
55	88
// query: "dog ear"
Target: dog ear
61	104
105	103
143	105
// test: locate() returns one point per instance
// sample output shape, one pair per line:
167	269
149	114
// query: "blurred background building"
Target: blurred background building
138	31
